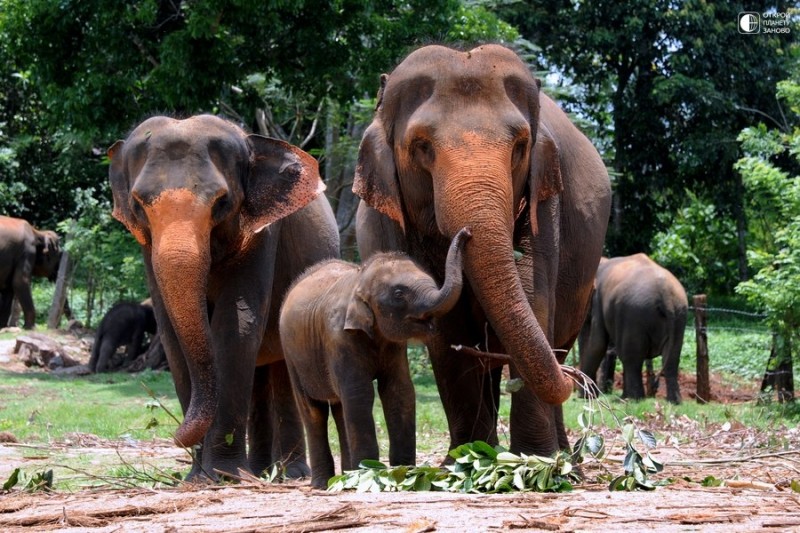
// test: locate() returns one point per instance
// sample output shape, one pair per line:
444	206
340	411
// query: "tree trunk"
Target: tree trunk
779	376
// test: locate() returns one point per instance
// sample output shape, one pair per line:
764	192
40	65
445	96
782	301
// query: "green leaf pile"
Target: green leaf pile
478	468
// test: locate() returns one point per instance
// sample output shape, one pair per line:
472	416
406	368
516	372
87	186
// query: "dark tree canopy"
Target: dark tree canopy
672	83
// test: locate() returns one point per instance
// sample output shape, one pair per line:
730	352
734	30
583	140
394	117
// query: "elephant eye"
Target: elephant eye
398	293
519	152
423	152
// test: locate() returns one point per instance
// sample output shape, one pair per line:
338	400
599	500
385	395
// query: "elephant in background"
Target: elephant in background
343	326
640	309
467	139
25	252
225	221
123	325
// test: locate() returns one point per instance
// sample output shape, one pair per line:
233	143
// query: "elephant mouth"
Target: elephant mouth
424	326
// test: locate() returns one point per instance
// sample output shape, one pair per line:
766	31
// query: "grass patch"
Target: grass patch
41	407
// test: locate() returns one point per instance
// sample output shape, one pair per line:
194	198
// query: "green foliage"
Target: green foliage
699	247
775	192
39	481
636	465
478	468
474	22
670	83
106	259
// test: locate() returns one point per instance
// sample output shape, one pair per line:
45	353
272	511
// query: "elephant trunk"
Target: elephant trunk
447	297
492	272
181	262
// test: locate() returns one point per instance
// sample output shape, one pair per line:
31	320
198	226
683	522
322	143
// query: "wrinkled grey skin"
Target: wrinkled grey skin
225	221
25	252
123	325
466	139
343	326
640	309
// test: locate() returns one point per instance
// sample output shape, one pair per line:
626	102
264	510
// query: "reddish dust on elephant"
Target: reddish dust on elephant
468	139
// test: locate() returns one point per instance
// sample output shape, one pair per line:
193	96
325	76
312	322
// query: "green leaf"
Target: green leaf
595	444
12	480
795	485
372	464
485	449
229	439
711	481
514	385
647	438
627	433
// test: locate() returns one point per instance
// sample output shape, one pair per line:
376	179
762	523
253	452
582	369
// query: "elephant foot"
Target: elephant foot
297	469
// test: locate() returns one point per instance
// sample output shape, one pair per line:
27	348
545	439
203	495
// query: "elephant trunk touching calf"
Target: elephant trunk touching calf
466	138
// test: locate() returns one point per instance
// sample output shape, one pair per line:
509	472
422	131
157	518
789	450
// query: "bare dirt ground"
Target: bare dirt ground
757	466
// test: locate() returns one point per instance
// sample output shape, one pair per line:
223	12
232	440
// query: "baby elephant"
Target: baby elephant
123	325
343	326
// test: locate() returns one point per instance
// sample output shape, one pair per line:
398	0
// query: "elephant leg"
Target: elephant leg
533	423
358	398
630	352
259	423
108	347
6	301
344	444
650	381
607	371
22	290
315	418
288	443
399	407
671	359
469	393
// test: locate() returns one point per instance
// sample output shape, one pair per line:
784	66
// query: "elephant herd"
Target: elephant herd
466	167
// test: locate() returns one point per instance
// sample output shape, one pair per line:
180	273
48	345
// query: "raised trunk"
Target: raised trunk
445	299
467	201
181	262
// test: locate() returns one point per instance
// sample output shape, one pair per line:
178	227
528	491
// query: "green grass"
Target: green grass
41	407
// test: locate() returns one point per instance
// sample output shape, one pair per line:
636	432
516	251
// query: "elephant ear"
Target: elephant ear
359	316
282	179
120	191
545	177
375	181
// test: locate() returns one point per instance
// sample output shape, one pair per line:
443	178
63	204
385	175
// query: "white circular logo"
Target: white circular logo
748	22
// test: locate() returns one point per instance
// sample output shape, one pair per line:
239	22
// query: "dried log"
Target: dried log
35	349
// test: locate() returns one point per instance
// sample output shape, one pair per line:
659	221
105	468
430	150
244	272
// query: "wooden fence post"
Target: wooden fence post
60	296
703	393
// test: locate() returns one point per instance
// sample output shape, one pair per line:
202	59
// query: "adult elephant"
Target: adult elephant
25	252
640	309
466	139
225	221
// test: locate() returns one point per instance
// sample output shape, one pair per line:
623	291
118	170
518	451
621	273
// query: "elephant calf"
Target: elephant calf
123	325
343	326
640	309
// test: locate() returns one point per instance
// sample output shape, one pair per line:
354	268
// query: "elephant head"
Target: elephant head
48	254
456	141
399	299
195	193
